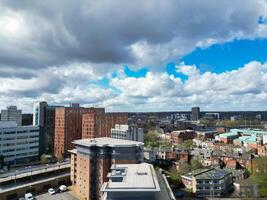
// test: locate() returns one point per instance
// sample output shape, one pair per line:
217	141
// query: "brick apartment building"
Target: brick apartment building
68	127
178	137
92	159
99	125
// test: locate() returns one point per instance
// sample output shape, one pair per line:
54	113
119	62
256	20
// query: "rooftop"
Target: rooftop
132	177
208	173
106	141
214	173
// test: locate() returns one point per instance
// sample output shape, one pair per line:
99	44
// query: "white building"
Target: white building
12	114
18	143
126	132
131	181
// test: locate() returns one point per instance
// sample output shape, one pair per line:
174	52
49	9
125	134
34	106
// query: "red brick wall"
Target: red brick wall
68	127
99	125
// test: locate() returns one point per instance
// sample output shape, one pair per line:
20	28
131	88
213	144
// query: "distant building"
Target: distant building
178	137
68	127
128	132
195	114
12	114
92	159
39	116
44	117
211	116
100	124
131	181
18	143
39	113
209	182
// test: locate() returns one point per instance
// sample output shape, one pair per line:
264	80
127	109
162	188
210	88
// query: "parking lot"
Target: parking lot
58	196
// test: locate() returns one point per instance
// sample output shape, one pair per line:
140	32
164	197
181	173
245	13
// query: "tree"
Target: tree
44	159
187	144
196	164
259	174
152	138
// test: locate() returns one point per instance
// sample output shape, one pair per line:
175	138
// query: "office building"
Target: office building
18	143
39	114
92	159
195	114
131	181
39	111
68	127
128	132
211	182
99	125
12	114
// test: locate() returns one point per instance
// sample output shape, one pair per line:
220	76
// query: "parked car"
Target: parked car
29	196
63	188
51	191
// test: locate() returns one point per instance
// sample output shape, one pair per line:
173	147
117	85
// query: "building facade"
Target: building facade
195	113
18	143
178	137
131	181
12	114
68	127
100	124
128	132
92	159
211	182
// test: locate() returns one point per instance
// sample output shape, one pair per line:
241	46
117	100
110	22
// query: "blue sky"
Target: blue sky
217	58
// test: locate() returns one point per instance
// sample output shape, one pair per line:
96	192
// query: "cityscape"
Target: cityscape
133	100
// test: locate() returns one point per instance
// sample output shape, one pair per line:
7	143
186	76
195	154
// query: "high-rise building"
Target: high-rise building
68	127
12	114
131	181
128	132
99	125
39	115
18	143
91	161
195	114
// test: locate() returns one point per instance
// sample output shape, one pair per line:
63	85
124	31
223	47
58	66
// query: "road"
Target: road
32	168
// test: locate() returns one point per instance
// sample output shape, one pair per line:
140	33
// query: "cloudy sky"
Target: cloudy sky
142	55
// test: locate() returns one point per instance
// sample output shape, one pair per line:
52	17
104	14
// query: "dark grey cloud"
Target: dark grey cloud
103	31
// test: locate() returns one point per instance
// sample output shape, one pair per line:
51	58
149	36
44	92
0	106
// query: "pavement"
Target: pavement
60	196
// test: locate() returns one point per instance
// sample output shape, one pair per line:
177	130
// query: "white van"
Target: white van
29	196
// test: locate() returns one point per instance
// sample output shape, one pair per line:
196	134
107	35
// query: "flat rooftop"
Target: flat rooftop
132	177
106	141
208	173
213	174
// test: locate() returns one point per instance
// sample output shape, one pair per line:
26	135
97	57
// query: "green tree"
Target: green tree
187	144
259	174
44	159
152	138
196	164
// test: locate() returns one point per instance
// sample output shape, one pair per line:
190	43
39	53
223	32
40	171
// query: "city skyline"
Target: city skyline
135	56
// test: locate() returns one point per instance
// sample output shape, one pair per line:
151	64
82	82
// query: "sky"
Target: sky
142	55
